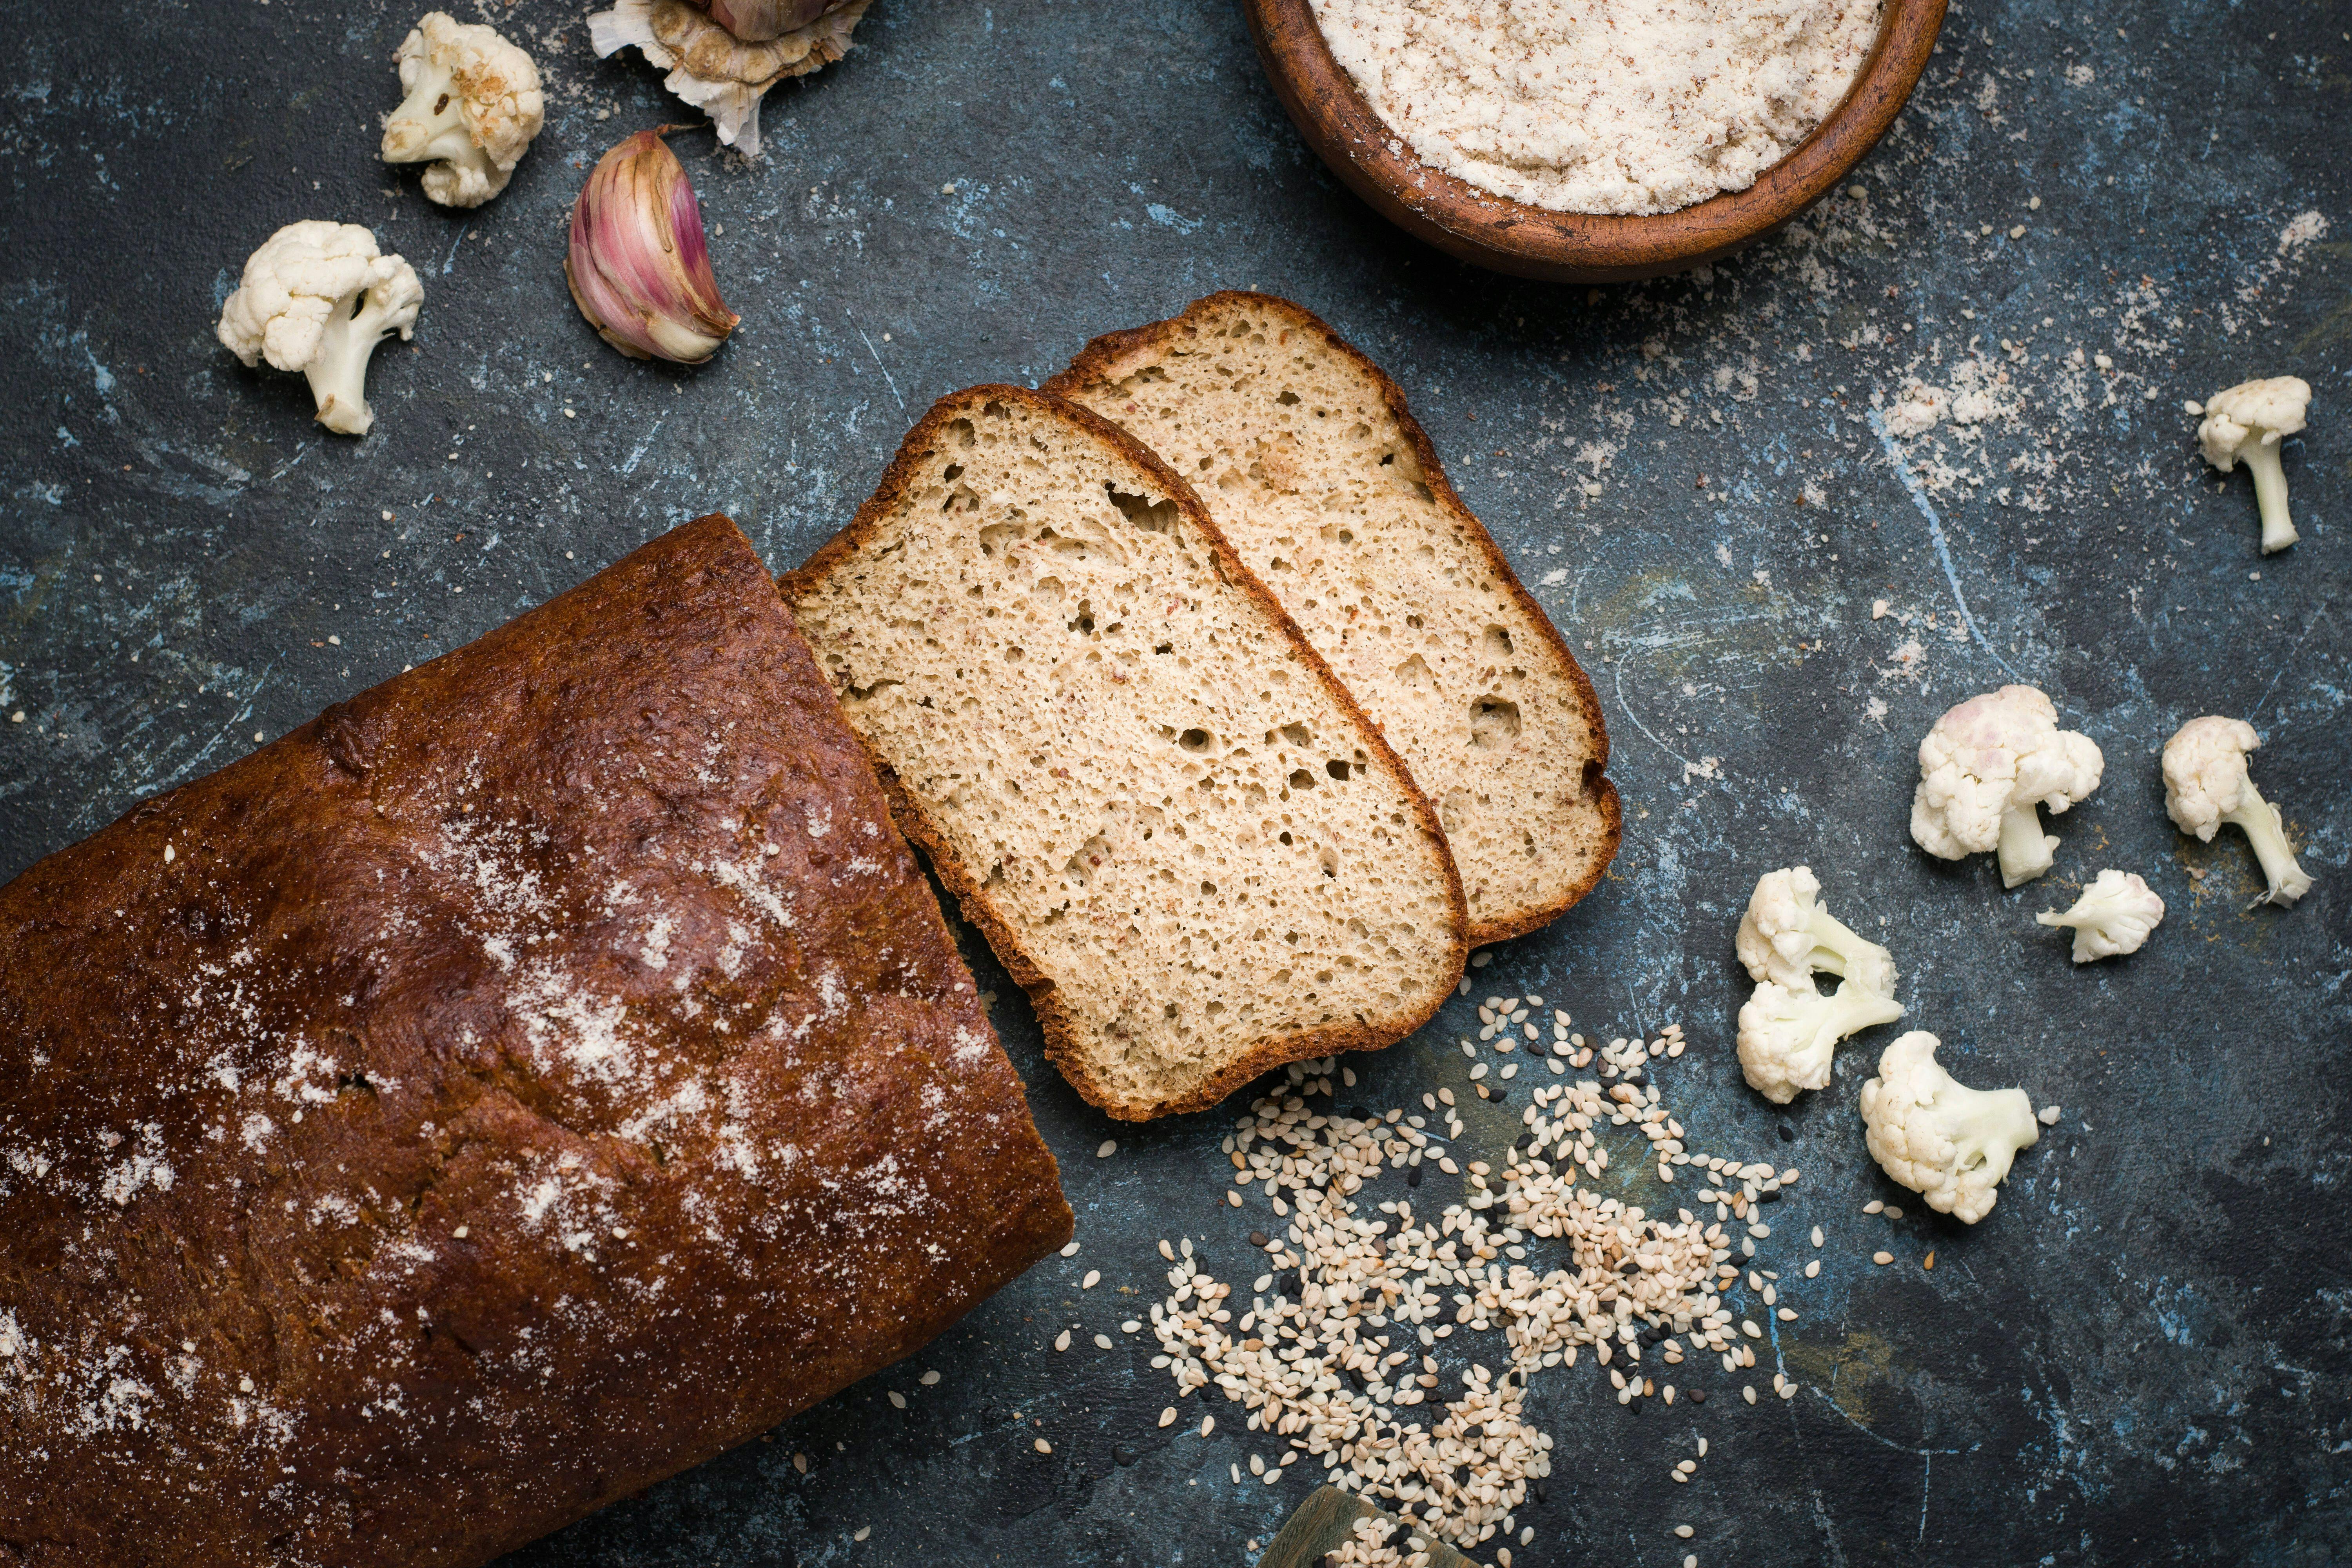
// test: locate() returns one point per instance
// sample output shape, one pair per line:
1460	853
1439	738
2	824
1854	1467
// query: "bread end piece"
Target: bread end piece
1457	728
1096	692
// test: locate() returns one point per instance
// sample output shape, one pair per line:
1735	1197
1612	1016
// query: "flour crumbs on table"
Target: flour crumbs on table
1615	106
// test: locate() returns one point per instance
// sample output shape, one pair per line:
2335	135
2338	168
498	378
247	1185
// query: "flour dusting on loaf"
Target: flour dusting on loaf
529	1078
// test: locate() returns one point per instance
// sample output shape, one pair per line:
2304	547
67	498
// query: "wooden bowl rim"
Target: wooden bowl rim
1511	237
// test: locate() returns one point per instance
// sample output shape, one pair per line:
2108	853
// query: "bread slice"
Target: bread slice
1309	463
1178	831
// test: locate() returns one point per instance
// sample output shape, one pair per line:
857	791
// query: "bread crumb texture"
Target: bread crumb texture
1601	106
528	1078
1186	845
1306	457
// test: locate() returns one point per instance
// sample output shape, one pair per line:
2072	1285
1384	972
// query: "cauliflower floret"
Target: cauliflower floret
1787	936
1788	1035
2112	917
316	298
1983	768
1949	1143
720	71
2246	424
473	106
2206	785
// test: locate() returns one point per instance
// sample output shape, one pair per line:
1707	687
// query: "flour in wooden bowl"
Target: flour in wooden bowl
1601	106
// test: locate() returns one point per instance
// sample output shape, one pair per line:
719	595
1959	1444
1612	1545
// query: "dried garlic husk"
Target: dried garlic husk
754	21
716	70
638	267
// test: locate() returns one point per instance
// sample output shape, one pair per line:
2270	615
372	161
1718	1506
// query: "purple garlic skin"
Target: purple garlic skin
755	21
638	265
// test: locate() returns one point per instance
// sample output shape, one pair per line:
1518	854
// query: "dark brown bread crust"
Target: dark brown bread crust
1063	1035
525	1080
1108	359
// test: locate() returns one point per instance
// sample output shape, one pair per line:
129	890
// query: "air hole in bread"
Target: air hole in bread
1288	399
1495	642
1493	722
1337	769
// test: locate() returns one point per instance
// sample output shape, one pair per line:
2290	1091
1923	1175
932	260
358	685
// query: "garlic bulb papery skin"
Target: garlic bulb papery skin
714	70
756	21
638	267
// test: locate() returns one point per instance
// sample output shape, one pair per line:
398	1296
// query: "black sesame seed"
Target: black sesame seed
1122	1455
1413	1176
1696	1396
1257	1239
1771	1197
1787	1133
1359	1113
1539	1492
1502	1096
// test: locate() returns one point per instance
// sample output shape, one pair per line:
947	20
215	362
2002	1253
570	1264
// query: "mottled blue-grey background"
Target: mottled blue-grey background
2087	216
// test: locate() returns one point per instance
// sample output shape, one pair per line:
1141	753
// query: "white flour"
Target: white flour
1601	106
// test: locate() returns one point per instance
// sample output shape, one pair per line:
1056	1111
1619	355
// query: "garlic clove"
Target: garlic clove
638	265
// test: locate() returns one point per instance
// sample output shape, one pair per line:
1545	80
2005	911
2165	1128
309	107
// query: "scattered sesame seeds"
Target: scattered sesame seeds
462	1232
1881	1258
801	1463
865	1530
1813	1270
897	1400
1747	1392
1072	1250
1092	1279
1929	1261
1106	1148
1872	1206
1168	1416
1817	1235
1102	1342
1208	1425
1328	1363
1042	1445
1062	1340
1683	1530
929	1379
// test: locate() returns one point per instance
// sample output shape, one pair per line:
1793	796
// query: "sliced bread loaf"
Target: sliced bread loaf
1309	463
1178	831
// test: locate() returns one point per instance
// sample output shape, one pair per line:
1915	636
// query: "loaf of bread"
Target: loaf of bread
1179	832
519	1083
1307	458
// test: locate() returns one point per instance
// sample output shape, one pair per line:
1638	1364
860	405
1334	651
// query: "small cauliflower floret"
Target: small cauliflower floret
2112	917
1949	1143
1787	936
1788	1035
1983	768
2206	785
473	106
2245	425
316	298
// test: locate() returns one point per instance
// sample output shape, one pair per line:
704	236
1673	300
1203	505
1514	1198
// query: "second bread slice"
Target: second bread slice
1178	833
1308	461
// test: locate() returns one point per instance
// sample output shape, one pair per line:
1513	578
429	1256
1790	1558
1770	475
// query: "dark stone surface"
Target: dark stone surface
2141	1356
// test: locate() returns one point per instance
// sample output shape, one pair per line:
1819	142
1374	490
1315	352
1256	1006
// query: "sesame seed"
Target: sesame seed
1813	1270
1817	1235
1072	1250
1106	1148
1092	1279
865	1530
801	1463
1062	1340
1872	1206
1043	1447
898	1399
1683	1530
462	1232
1747	1392
1208	1425
1929	1261
929	1379
1168	1416
1881	1258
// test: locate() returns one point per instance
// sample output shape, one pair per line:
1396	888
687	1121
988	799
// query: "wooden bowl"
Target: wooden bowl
1577	247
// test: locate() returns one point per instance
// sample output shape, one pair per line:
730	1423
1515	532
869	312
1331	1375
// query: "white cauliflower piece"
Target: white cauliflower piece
1789	937
1986	766
720	72
473	106
1949	1143
2206	785
2246	424
316	298
2112	917
1788	1035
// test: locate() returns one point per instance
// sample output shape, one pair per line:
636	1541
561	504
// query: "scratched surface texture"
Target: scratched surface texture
1929	440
